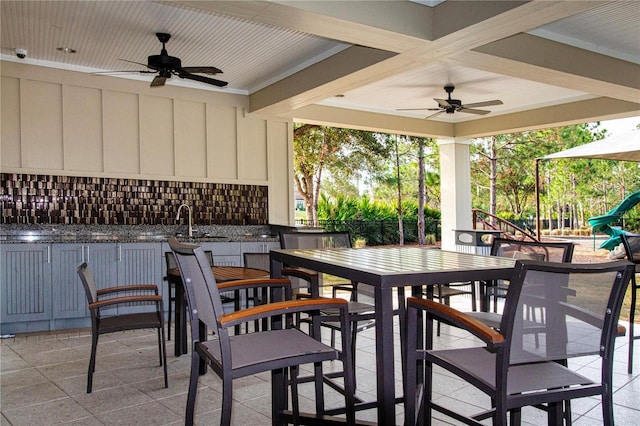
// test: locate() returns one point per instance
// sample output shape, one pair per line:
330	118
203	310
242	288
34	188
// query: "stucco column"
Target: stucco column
455	186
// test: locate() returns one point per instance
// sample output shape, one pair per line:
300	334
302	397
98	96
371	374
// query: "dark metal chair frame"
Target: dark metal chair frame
170	263
550	250
280	347
510	374
361	315
631	245
112	297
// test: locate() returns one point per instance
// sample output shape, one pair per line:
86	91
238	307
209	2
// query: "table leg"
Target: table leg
384	356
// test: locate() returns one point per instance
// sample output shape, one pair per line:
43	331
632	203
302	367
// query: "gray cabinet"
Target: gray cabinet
25	290
258	247
68	297
139	263
40	288
224	254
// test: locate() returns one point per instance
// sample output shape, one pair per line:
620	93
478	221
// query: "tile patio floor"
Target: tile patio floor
43	382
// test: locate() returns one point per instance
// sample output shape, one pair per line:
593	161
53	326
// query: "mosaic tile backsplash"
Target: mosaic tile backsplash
47	199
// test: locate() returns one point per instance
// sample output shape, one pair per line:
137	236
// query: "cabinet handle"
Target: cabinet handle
82	254
119	252
48	254
87	254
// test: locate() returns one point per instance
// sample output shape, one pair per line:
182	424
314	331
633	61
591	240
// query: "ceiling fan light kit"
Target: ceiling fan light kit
450	106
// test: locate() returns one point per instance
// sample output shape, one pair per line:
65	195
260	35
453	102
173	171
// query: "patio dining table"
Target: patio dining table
386	268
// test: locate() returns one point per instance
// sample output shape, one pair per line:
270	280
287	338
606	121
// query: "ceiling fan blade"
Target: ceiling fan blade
483	104
125	71
202	79
443	103
474	111
418	109
202	70
158	81
134	62
434	115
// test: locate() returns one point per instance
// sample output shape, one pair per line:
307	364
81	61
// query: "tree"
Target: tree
342	152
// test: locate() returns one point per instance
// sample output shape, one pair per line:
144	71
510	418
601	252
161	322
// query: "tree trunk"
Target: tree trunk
421	193
493	180
400	224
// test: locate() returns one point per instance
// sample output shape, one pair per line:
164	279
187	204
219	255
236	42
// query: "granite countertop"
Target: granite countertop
132	234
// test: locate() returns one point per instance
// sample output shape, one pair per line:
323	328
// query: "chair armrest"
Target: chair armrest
259	283
254	283
305	274
125	288
459	319
126	299
281	308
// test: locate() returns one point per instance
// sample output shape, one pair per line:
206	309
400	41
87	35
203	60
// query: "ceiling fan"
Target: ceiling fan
166	66
450	105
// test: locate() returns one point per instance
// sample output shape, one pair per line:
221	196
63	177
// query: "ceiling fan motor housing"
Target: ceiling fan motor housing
159	62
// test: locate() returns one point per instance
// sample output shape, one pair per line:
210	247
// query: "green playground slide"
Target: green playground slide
601	223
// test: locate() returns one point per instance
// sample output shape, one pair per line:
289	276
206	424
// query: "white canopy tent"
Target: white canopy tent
624	147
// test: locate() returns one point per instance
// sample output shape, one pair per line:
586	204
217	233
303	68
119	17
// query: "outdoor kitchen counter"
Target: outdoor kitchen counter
10	234
50	296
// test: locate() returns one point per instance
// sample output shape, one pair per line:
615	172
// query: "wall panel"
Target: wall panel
82	126
253	150
222	136
121	132
281	203
10	122
156	136
41	125
190	138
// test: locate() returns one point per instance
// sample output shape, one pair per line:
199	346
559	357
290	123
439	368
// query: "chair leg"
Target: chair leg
171	300
607	408
295	400
632	316
227	400
163	354
474	295
92	361
354	334
318	384
515	417
193	388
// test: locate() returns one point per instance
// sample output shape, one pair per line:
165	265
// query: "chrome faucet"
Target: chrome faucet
178	217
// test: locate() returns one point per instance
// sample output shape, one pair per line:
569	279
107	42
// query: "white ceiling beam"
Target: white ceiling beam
371	121
396	26
525	16
554	116
541	118
537	59
319	81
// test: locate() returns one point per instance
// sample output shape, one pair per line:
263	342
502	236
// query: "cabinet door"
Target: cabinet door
25	289
224	254
259	246
102	259
69	299
140	263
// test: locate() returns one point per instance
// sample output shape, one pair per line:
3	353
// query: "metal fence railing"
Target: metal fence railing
378	232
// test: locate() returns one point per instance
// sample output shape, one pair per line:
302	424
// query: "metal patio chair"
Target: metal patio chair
149	315
581	305
632	249
278	348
